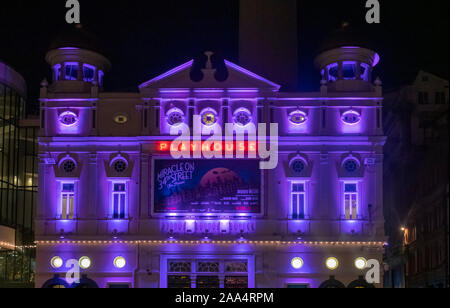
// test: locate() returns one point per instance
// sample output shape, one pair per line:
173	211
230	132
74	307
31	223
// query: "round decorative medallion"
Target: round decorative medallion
68	118
298	166
68	166
120	166
242	117
175	117
209	117
298	117
351	117
351	165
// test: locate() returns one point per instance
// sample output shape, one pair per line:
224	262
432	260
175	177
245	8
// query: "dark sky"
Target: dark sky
145	38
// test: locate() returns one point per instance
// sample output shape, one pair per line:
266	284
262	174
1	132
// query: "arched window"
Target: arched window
361	283
55	283
332	283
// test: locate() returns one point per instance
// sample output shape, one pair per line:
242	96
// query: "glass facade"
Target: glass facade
18	188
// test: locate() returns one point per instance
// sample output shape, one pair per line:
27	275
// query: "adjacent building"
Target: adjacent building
18	182
416	183
113	198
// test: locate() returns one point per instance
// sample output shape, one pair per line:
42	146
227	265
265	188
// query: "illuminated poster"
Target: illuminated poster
207	186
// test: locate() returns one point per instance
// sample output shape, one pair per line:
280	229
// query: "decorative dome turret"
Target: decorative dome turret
346	61
77	61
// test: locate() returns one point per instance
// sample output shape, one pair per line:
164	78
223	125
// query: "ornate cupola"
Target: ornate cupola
76	61
346	61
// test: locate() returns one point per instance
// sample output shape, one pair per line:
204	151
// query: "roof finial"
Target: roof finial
209	54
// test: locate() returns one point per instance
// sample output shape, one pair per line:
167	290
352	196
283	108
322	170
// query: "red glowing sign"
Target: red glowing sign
221	146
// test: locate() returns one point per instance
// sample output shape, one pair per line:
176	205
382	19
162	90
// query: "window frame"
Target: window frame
344	183
305	184
222	274
60	215
113	193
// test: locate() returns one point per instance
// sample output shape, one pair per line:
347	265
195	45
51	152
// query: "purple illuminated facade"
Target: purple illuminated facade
98	189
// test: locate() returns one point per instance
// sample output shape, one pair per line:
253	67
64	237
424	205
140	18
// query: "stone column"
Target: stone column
144	188
91	211
80	73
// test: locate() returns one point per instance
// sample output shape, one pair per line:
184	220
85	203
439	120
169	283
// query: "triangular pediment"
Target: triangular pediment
238	78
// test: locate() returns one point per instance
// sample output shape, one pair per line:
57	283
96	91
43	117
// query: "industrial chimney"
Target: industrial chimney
268	40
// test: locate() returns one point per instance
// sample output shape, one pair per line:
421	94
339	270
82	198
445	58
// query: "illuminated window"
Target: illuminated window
67	201
119	200
208	274
351	201
333	72
100	77
298	199
349	70
88	73
332	263
365	72
71	71
57	72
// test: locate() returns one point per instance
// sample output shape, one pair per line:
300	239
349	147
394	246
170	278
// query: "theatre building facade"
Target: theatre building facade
114	198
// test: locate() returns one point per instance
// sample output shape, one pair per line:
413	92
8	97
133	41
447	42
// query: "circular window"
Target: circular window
120	166
68	166
120	262
242	117
361	263
56	262
298	166
298	117
175	117
297	263
209	117
332	263
351	165
121	119
68	118
351	117
85	262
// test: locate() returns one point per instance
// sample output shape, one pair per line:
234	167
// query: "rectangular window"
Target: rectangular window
298	199
67	201
351	201
71	71
119	197
423	98
440	98
205	274
88	73
232	282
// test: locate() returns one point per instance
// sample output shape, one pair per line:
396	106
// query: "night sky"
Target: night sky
145	38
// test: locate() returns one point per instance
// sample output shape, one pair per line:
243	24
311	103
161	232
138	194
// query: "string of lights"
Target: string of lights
211	242
14	247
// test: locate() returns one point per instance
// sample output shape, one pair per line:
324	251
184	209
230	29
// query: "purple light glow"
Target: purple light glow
251	74
168	74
